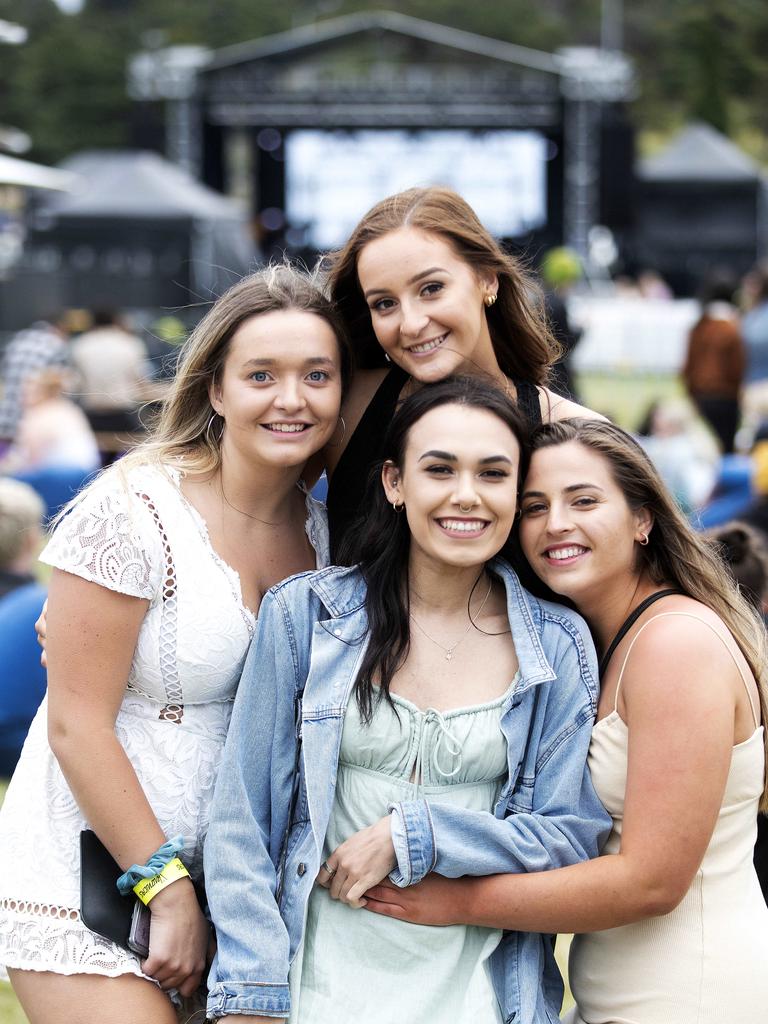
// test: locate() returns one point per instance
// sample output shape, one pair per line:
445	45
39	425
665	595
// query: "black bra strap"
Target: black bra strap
629	622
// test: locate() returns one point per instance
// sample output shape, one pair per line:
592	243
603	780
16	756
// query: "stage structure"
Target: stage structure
335	114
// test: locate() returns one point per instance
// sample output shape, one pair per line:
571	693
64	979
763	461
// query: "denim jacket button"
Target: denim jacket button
337	632
301	869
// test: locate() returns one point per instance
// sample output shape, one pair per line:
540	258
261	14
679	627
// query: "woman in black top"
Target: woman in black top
422	285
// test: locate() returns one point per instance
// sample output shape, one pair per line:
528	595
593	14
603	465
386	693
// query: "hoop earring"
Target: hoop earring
214	443
398	508
386	356
643	539
343	434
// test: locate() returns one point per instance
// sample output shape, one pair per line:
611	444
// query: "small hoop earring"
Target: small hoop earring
489	299
398	508
386	356
214	443
643	539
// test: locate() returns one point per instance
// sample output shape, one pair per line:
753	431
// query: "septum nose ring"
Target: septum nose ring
465	510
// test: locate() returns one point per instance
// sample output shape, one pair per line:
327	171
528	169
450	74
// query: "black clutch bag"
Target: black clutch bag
123	920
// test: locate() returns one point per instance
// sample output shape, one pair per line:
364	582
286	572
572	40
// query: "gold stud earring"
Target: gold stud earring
489	299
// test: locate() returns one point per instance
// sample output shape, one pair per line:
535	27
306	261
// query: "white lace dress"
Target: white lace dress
140	537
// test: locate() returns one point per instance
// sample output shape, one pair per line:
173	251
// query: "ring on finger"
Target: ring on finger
327	867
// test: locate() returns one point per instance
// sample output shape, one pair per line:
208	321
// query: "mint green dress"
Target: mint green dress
357	966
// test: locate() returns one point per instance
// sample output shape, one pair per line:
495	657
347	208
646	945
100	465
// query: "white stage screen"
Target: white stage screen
332	178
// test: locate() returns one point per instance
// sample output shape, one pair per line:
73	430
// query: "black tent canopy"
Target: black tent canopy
140	233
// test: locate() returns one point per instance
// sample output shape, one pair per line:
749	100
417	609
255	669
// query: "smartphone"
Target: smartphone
138	934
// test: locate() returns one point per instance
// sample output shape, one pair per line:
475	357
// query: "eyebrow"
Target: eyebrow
311	361
448	457
411	280
566	490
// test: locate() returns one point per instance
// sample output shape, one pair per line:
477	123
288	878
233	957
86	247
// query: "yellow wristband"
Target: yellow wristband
148	888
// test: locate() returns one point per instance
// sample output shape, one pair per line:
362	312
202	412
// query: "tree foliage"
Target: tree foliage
705	59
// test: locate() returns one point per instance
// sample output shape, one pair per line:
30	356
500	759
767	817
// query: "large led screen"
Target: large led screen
332	178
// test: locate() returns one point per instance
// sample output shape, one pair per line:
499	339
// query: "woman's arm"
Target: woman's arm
553	820
249	818
92	634
678	700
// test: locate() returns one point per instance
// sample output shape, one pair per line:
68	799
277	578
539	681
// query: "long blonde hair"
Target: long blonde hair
675	553
184	432
184	427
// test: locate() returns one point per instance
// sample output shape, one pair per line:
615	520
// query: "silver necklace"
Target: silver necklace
449	650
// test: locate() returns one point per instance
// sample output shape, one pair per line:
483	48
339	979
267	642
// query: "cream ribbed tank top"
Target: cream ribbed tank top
706	962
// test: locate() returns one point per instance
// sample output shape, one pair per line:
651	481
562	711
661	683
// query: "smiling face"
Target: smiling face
280	388
577	530
426	304
458	483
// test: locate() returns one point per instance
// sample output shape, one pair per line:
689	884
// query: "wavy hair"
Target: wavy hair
181	430
380	541
522	342
181	434
675	553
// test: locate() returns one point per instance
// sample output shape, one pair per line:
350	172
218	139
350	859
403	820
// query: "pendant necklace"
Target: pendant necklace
449	650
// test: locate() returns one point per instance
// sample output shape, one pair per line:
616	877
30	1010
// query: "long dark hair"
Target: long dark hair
380	542
522	341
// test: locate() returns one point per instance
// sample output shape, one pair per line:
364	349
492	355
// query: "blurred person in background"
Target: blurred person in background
746	552
22	680
715	363
560	270
21	511
684	454
36	348
754	328
652	285
53	432
112	364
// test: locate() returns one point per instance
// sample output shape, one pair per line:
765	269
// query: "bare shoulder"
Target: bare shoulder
364	385
682	652
554	407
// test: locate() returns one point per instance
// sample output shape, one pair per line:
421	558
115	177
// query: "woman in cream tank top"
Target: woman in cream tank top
670	924
707	949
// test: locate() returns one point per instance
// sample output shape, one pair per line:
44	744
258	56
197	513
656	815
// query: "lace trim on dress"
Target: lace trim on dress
39	909
173	711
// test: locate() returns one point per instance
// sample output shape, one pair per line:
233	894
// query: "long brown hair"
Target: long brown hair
522	342
675	553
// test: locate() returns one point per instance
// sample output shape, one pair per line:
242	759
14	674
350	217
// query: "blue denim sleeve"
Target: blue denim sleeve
552	820
250	971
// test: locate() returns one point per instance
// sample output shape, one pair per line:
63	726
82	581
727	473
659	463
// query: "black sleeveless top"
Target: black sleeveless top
362	455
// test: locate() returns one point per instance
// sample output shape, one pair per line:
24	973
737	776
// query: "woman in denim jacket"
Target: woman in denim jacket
419	712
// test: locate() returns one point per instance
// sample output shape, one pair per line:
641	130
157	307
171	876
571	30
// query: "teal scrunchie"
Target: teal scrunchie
154	865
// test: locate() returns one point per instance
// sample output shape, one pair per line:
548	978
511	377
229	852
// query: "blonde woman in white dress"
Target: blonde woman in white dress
670	921
159	569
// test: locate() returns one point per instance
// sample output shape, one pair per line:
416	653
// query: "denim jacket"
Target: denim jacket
274	796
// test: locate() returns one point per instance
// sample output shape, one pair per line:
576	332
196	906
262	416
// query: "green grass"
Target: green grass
625	398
